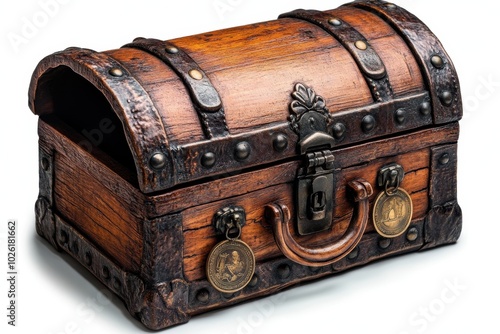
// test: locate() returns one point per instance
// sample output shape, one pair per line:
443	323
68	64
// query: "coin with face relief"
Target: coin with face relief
230	266
392	213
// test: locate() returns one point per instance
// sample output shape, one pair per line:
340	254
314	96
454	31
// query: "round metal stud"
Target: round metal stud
45	164
335	22
339	130
446	98
384	243
314	269
203	296
208	160
88	259
361	45
437	61
284	271
63	237
242	150
425	108
105	273
195	74
353	254
172	49
280	142
412	234
254	281
116	72
390	6
158	161
116	283
368	123
400	116
228	295
444	159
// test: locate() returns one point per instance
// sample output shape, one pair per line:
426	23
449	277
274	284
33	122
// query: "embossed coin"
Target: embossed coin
230	266
392	213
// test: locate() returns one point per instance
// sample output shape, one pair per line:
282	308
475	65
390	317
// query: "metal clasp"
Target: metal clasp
315	185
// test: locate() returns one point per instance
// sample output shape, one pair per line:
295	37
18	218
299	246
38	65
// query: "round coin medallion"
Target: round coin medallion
392	213
230	266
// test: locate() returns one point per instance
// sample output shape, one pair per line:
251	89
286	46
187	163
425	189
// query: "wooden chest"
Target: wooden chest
197	173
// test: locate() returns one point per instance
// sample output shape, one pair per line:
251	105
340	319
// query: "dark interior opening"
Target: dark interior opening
84	114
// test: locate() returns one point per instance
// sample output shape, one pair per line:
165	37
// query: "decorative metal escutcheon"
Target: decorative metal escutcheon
393	208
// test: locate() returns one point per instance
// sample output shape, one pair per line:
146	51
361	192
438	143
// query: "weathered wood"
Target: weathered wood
139	153
200	235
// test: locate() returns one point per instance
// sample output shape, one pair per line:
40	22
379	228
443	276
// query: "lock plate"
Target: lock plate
315	201
310	119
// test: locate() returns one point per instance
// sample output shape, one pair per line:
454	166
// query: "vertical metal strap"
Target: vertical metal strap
368	61
436	65
205	97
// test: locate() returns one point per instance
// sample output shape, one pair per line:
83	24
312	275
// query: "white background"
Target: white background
56	296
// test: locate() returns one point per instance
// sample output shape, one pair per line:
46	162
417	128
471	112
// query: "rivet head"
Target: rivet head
361	45
203	296
335	22
444	159
284	271
171	49
45	164
437	61
208	159
116	72
412	234
368	123
88	258
314	269
384	243
195	74
446	98
242	150
116	283
254	281
353	254
228	295
63	237
400	116
425	108
158	161
280	142
339	130
105	272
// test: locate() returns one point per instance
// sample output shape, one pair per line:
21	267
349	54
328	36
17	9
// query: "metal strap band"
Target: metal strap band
438	70
133	106
367	59
205	97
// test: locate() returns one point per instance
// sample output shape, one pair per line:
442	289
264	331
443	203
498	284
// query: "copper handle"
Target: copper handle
278	216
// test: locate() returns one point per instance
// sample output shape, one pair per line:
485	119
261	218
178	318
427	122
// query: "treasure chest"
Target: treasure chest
196	173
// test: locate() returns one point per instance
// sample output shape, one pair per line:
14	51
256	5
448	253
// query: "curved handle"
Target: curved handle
279	216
